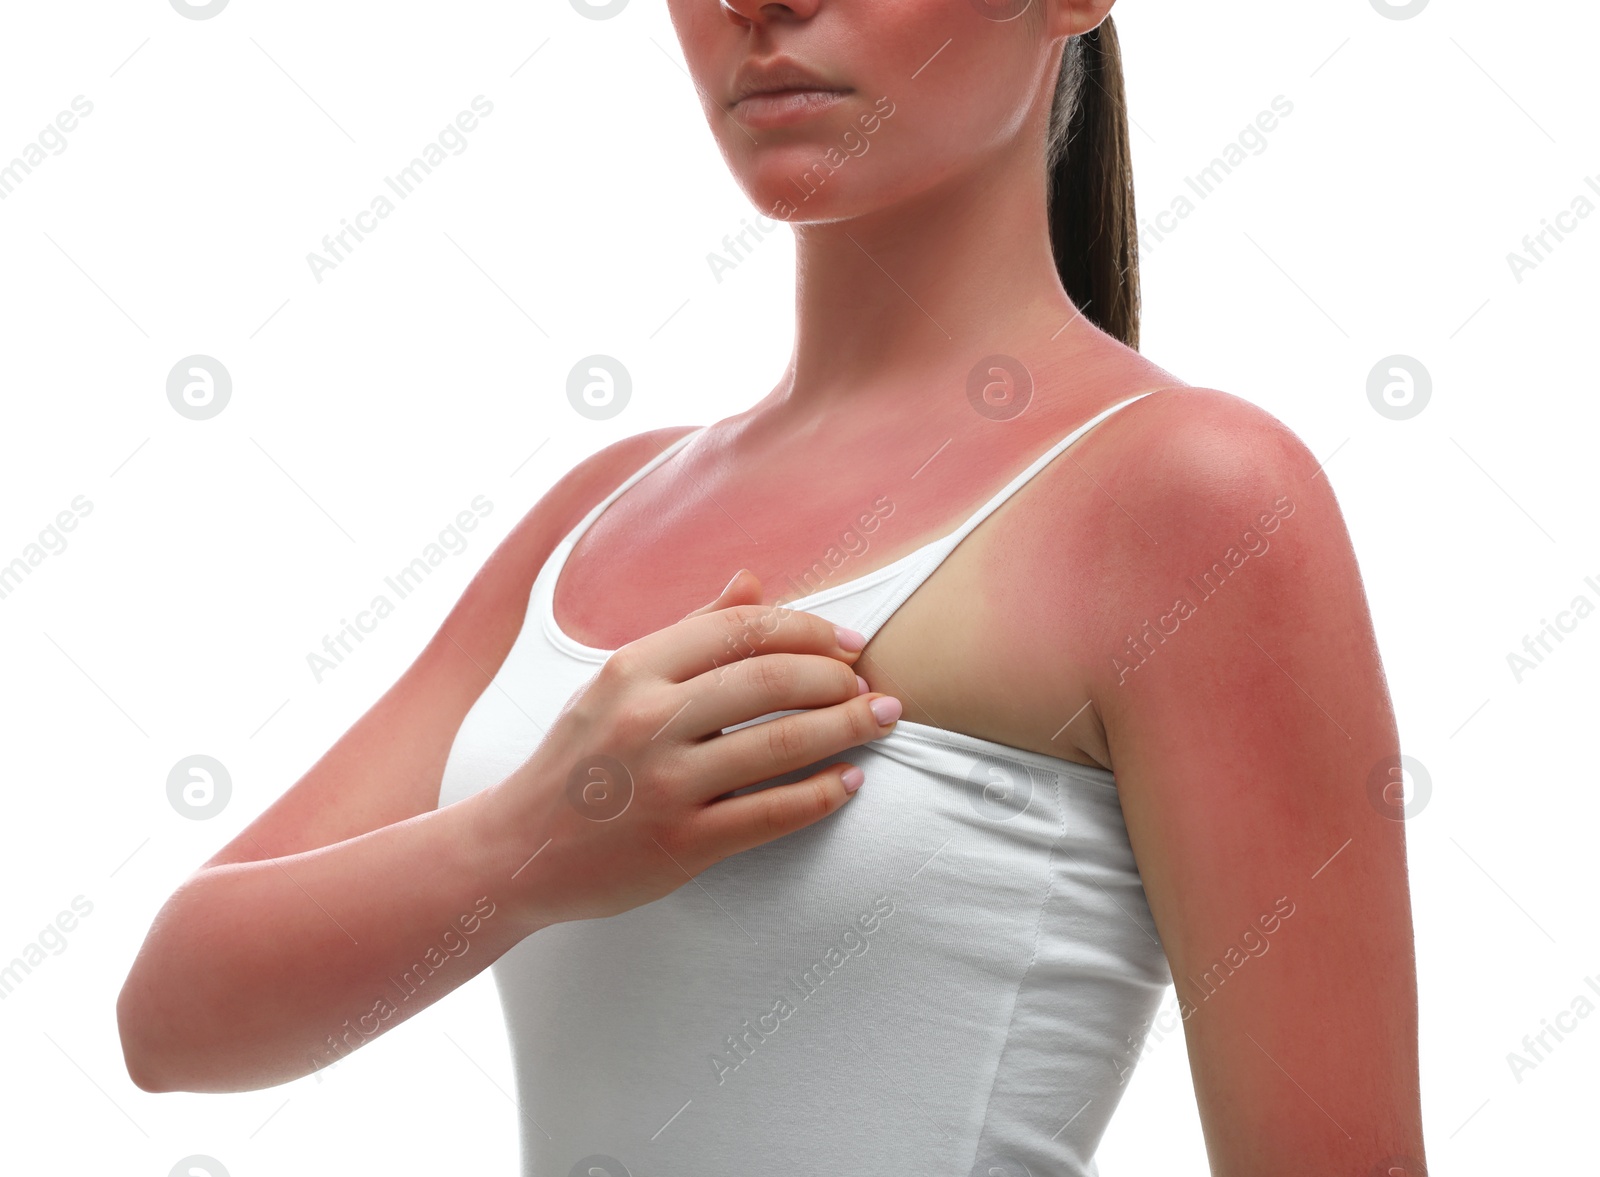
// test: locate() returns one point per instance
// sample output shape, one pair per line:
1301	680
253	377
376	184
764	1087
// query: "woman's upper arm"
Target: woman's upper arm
1249	724
388	766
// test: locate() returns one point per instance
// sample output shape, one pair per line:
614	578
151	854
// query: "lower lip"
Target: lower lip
786	107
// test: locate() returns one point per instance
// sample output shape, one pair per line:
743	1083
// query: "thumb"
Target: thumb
743	589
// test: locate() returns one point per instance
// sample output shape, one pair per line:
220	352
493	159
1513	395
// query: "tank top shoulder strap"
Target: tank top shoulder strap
913	569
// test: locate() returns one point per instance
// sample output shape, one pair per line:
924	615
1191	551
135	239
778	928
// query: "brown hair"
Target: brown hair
1093	228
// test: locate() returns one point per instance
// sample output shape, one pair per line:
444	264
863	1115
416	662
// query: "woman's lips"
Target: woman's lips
782	108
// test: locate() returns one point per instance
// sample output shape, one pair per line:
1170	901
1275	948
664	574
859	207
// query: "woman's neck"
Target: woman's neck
928	284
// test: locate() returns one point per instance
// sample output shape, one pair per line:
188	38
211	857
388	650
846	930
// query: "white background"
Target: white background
369	408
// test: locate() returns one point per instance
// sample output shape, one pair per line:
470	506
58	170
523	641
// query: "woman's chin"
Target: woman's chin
797	197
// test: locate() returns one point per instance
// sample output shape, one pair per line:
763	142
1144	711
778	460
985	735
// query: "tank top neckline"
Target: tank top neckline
551	573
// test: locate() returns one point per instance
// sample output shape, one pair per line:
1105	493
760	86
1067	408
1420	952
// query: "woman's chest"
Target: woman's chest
978	643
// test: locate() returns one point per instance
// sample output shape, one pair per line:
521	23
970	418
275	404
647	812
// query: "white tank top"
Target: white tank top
948	976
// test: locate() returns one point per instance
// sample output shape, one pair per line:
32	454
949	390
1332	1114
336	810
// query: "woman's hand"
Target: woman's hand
625	799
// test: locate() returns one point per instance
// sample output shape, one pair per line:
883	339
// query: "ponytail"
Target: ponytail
1093	228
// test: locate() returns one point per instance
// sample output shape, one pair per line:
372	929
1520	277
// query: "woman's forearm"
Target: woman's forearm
256	973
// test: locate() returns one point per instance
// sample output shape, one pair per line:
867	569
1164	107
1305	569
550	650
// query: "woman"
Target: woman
1121	716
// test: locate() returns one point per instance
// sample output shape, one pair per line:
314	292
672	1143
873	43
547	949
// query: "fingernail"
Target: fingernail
849	639
729	585
852	778
861	685
885	710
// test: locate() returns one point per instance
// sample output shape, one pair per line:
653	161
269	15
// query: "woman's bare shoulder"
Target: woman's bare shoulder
1170	507
1203	426
1192	455
1207	506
